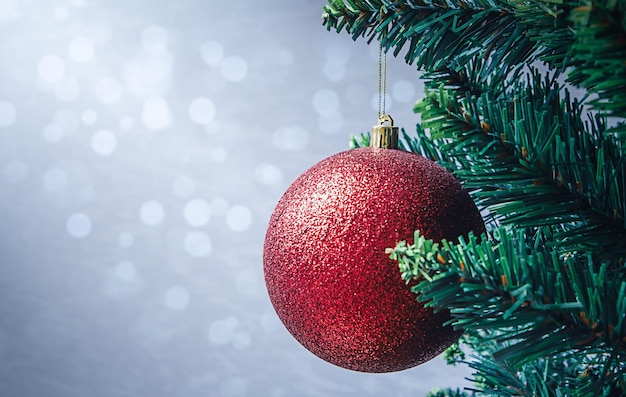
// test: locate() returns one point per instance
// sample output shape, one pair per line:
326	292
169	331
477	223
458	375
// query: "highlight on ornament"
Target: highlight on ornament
326	271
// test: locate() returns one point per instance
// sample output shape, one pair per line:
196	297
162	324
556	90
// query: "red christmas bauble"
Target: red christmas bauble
326	270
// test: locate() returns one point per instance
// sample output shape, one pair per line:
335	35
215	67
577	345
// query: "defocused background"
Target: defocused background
143	146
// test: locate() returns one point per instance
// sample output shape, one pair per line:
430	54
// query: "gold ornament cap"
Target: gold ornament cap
384	135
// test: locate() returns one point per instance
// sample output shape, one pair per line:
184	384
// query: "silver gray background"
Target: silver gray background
143	146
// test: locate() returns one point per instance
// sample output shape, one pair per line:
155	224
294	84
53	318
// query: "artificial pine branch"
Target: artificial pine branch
529	159
422	25
599	54
444	35
555	377
528	306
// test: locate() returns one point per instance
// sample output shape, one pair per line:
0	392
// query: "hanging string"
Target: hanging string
382	80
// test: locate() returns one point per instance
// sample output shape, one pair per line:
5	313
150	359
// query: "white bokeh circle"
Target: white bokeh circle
151	213
78	225
81	49
269	174
156	113
234	68
239	218
201	110
212	53
51	68
197	212
103	142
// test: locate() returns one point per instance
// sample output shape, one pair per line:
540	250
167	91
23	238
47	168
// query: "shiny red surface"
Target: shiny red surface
326	270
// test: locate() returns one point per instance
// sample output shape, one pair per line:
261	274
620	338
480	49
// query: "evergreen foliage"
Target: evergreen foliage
542	295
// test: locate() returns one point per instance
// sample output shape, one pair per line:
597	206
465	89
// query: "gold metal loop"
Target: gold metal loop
384	135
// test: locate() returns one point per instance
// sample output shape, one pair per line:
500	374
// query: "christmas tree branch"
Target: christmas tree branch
444	35
599	57
423	25
527	306
556	376
529	159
